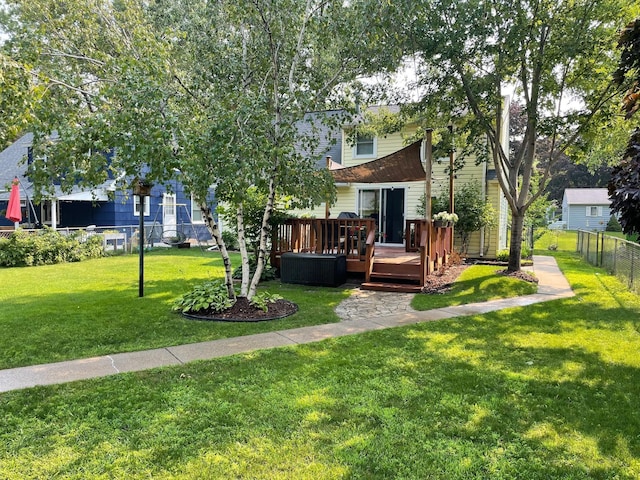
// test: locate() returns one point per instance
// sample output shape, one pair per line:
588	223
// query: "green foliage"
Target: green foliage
268	272
230	240
263	299
505	255
474	212
613	225
211	295
47	247
534	47
253	202
624	187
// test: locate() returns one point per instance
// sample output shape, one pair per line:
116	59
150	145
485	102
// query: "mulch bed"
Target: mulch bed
243	311
441	281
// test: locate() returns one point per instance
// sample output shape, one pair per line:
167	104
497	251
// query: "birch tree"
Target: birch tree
210	92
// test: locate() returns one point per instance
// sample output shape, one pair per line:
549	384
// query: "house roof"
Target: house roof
401	166
13	164
317	124
587	196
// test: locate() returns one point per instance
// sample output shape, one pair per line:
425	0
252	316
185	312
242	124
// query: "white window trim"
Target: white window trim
194	206
372	155
598	211
147	206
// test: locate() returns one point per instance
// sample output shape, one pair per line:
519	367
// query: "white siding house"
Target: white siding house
586	208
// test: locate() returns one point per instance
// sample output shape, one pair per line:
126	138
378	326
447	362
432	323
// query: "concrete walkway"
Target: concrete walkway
383	310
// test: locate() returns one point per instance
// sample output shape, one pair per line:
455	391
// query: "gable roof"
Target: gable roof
402	166
13	164
587	196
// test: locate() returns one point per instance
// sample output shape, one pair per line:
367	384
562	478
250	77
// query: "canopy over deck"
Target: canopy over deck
401	166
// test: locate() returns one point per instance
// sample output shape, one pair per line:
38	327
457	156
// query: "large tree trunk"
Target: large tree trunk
214	229
515	246
244	255
264	236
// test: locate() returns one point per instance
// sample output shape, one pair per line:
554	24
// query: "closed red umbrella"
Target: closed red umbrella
14	213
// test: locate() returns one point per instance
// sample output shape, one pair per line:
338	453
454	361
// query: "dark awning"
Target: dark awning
401	166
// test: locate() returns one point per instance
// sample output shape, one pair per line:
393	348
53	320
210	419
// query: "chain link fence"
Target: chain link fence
619	257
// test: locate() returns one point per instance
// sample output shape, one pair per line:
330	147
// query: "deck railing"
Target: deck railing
355	238
346	236
433	243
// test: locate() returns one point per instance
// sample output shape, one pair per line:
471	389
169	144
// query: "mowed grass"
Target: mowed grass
546	391
477	283
76	310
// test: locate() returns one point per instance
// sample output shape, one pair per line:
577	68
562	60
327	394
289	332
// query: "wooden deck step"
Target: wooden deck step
391	287
384	267
409	277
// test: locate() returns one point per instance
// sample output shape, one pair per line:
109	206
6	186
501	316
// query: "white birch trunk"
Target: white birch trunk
244	255
214	229
264	236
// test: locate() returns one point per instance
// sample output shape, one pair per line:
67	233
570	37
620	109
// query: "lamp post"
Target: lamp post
142	189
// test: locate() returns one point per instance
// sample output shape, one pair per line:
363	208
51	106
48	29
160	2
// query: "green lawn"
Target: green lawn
478	283
542	392
75	310
566	241
79	310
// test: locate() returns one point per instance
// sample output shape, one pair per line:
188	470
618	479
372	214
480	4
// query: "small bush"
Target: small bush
230	240
263	299
206	296
47	247
613	225
503	255
268	272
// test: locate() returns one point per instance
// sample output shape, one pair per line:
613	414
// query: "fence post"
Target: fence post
632	265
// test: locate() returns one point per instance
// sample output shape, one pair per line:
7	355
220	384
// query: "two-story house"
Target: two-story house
383	178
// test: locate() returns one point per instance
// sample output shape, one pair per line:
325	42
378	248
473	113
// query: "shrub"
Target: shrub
503	255
613	225
206	296
268	272
230	240
46	247
263	299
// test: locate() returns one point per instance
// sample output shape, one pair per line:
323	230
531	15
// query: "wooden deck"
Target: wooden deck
384	267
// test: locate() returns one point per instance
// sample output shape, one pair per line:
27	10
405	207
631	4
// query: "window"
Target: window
594	211
365	146
196	213
369	203
136	206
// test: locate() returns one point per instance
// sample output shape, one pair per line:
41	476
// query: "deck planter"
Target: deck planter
313	269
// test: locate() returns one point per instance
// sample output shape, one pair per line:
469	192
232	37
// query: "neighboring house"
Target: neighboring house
586	208
104	206
383	178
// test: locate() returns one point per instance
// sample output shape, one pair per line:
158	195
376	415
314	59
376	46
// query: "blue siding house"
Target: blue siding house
586	208
104	206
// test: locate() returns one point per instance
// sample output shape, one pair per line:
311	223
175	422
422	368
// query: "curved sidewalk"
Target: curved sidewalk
552	285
